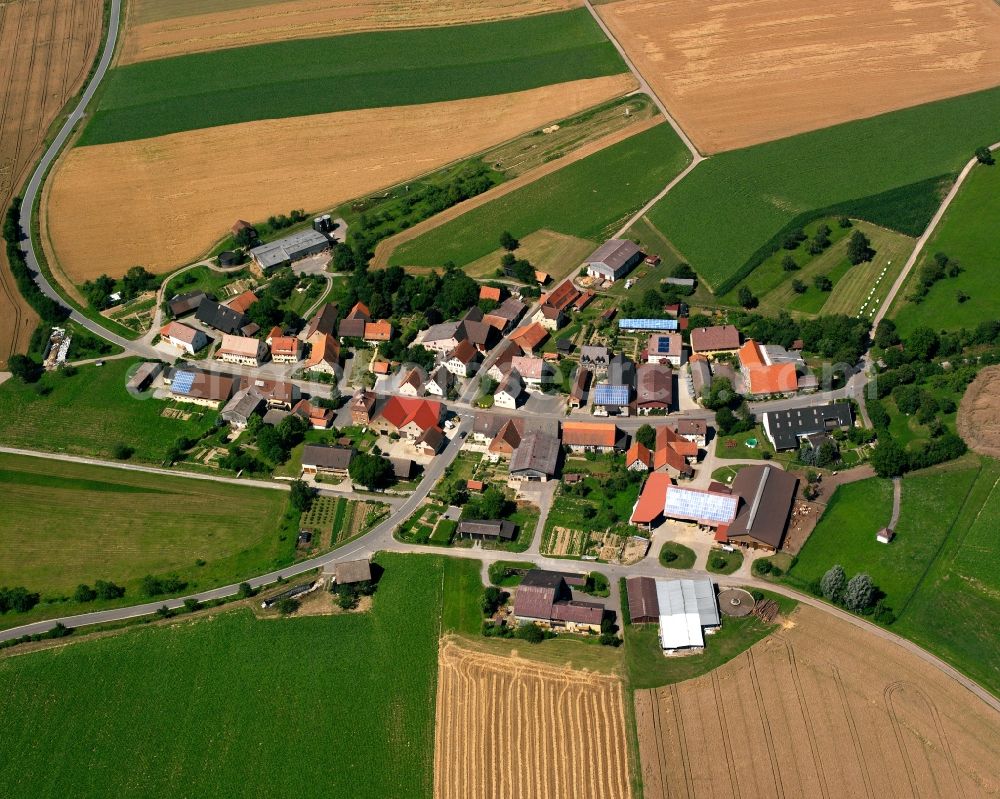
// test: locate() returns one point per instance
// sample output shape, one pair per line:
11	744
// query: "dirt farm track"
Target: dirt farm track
818	709
508	728
162	28
738	73
47	47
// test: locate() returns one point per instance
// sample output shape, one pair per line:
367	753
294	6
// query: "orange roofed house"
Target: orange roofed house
762	376
672	452
410	417
593	437
530	337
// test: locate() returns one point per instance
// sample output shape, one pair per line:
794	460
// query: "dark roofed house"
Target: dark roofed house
766	494
351	328
348	572
721	338
402	468
578	391
785	429
486	425
654	388
643	607
545	598
324	321
487	530
221	317
181	304
244	404
318	459
536	459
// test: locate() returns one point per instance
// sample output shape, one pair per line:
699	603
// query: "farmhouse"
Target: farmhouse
611	400
412	384
510	391
536	459
324	322
429	442
508	438
242	350
530	337
596	357
462	360
665	348
687	611
324	355
362	407
181	304
578	391
691	429
353	325
533	371
276	393
222	318
786	429
654	388
546	599
241	302
593	437
318	459
245	403
441	338
439	382
487	530
762	376
185	338
411	418
295	247
613	260
501	361
549	317
505	316
562	297
285	349
318	418
380	330
713	340
144	375
638	458
486	425
200	388
767	493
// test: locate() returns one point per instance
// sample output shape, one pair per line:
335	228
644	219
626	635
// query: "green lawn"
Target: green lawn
463	591
647	667
68	523
722	562
90	412
234	706
968	234
683	557
735	202
363	70
588	199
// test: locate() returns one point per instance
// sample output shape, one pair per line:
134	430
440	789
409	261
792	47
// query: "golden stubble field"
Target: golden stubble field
161	28
509	728
47	47
743	72
173	196
819	709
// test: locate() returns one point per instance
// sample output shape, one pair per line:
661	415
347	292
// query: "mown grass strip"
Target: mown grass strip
365	70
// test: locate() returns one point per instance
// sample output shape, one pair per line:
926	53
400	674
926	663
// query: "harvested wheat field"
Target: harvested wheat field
161	28
508	727
978	420
48	46
739	73
173	196
819	709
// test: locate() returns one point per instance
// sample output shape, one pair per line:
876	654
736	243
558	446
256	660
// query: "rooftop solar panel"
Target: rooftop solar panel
700	505
648	324
663	345
611	395
183	382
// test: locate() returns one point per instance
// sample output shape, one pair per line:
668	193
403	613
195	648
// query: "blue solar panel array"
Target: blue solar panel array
663	345
182	382
648	324
610	395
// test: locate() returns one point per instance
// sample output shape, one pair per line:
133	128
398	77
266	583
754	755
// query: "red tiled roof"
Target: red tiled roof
380	367
652	499
284	345
709	339
178	331
401	411
530	336
360	311
637	452
325	348
562	296
242	301
766	379
589	434
489	293
378	331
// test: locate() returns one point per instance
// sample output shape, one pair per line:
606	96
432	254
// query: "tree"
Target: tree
844	222
105	589
826	454
859	248
302	495
788	264
531	633
922	344
798	286
84	593
508	242
122	451
889	459
287	605
823	283
984	156
747	298
493	599
371	471
24	368
886	334
646	436
833	583
245	591
191	605
860	593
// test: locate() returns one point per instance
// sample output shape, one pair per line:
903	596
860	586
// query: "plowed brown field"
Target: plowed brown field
743	72
171	197
819	709
508	727
161	28
47	47
978	419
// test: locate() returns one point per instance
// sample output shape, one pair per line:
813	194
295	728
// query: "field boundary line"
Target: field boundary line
730	764
859	749
681	739
385	249
897	731
768	735
806	717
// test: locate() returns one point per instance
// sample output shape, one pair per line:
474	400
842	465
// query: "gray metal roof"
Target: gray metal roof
538	452
785	427
614	253
289	248
686	608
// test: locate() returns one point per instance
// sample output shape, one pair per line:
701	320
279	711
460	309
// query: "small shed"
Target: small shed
885	535
347	572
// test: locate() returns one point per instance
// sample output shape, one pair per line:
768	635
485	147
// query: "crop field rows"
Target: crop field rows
48	45
508	727
161	28
818	709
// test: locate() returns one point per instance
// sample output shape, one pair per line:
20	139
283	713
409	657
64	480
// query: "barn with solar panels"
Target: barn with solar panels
611	400
665	348
648	325
706	508
200	388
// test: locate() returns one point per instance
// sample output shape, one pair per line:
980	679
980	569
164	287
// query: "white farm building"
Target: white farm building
687	611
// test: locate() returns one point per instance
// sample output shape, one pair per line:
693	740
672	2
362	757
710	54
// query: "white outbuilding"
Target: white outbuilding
688	610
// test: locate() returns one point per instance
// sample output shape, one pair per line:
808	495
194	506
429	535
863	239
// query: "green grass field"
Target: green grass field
588	199
364	70
684	557
968	234
90	412
234	706
735	202
68	523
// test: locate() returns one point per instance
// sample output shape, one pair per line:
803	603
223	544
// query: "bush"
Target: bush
19	599
122	451
108	590
668	557
287	605
493	600
156	586
245	591
531	633
191	605
761	567
610	639
84	593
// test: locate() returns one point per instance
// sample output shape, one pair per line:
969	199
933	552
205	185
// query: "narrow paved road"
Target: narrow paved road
897	496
